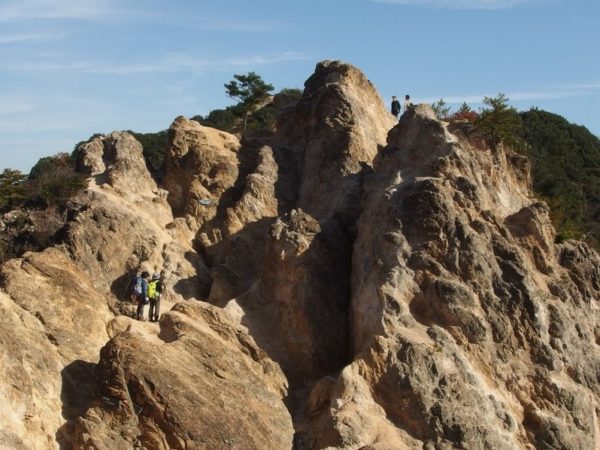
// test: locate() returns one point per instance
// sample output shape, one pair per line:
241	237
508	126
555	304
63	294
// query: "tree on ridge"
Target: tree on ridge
250	91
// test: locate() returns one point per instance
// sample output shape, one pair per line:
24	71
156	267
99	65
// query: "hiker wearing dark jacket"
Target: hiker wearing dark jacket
141	294
395	106
154	291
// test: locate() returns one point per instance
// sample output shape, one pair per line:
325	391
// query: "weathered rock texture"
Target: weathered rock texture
374	285
202	383
53	324
460	304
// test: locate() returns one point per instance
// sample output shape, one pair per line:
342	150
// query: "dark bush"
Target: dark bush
54	180
565	166
155	146
13	189
222	119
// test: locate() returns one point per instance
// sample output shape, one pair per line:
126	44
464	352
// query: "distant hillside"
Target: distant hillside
565	162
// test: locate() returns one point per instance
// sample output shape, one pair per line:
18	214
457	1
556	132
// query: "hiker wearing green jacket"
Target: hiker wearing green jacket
154	291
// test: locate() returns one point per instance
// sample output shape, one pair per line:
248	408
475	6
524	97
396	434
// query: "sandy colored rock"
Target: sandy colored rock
454	283
340	124
202	383
375	285
123	224
53	325
297	310
201	165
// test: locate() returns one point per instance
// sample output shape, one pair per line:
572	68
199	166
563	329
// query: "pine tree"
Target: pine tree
499	123
441	109
12	189
250	91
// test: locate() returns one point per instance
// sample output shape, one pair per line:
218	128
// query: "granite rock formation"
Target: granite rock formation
344	281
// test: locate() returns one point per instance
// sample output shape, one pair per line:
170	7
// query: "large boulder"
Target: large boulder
202	383
53	325
201	166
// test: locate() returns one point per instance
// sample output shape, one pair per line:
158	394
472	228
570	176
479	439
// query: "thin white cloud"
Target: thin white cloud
453	99
518	96
267	59
589	85
544	95
15	104
23	38
31	114
240	26
20	10
170	63
217	23
54	9
458	4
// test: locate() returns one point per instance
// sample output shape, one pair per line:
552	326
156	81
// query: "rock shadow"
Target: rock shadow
287	186
247	156
101	178
236	261
296	310
120	288
77	395
197	286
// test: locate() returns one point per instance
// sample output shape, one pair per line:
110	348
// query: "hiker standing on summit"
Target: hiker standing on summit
395	106
407	103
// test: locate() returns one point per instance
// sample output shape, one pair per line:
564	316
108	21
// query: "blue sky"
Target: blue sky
71	68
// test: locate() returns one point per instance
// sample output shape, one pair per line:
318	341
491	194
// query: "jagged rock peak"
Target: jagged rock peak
201	164
119	157
340	125
374	284
337	72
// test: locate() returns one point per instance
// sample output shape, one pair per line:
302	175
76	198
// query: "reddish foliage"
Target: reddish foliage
469	116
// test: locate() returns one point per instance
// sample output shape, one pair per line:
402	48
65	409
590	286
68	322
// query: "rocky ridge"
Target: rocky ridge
345	282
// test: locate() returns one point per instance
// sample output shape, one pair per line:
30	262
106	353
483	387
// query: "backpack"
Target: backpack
137	286
152	289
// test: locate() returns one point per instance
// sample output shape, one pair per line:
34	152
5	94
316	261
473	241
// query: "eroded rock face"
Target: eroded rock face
455	303
123	224
53	324
202	165
58	303
340	124
201	383
295	287
374	285
297	310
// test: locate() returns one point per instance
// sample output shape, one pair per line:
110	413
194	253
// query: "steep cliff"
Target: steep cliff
347	281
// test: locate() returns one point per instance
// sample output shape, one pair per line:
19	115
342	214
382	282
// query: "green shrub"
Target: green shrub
155	146
441	109
54	180
499	123
263	119
222	119
565	168
13	189
50	163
